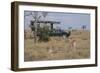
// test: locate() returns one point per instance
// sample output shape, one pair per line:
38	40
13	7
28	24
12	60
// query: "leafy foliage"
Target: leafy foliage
44	34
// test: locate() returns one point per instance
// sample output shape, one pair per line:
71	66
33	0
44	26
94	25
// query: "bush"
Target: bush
44	34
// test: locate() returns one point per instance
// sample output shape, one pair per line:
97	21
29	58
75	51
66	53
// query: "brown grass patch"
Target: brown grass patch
60	48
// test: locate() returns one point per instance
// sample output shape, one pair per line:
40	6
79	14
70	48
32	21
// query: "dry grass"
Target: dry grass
60	47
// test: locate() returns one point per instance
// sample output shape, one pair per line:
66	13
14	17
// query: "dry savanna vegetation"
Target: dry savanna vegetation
58	48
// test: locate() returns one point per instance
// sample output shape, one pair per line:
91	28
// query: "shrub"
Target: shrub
44	34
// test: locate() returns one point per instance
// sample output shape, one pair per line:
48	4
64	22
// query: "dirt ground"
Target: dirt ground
58	48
